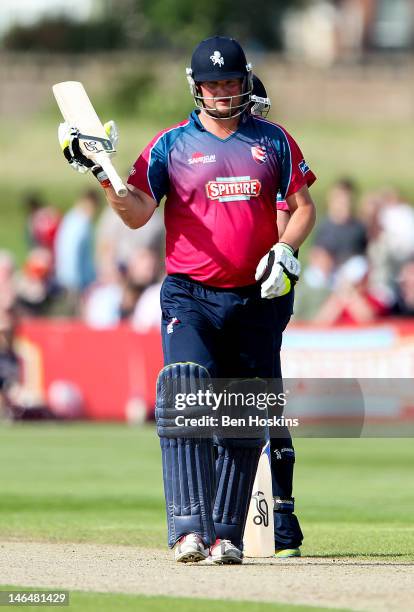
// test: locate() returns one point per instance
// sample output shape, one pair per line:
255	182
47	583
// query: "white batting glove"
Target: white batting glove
278	270
69	141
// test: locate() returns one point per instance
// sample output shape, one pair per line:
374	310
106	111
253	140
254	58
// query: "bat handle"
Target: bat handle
103	160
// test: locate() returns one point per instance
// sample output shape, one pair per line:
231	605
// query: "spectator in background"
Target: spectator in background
75	266
397	224
147	311
404	302
143	267
131	295
390	226
114	296
102	300
42	222
341	233
9	363
116	242
35	284
7	284
372	205
315	284
32	202
17	401
45	224
352	300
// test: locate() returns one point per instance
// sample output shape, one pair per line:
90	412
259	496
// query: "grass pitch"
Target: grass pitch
102	483
107	602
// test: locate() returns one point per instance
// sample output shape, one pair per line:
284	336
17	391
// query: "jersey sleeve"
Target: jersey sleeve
150	172
295	172
281	204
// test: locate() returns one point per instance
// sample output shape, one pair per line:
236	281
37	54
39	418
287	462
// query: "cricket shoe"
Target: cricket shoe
287	553
190	549
223	552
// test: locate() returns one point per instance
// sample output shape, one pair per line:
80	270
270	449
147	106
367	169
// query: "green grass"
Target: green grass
107	602
375	154
102	483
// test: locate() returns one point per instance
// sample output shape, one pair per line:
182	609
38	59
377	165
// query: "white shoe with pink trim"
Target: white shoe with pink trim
191	549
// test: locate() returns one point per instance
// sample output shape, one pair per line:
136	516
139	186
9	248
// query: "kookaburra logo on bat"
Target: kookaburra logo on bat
90	145
262	516
217	58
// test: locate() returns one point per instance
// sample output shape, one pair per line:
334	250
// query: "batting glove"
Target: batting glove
278	271
69	142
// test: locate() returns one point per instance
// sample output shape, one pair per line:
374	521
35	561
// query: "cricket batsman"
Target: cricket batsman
228	292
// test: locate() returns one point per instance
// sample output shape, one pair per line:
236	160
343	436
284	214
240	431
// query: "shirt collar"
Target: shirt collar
194	117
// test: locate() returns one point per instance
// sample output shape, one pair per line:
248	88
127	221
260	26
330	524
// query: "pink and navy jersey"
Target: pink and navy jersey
220	211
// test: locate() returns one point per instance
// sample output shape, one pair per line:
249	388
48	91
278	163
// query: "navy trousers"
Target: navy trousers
234	333
231	332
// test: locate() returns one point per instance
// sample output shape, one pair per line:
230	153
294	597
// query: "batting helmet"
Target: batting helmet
216	59
261	102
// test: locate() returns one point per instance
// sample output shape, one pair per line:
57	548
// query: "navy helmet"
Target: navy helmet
216	59
260	101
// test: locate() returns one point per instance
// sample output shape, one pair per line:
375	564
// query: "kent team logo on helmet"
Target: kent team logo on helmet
217	59
228	189
259	154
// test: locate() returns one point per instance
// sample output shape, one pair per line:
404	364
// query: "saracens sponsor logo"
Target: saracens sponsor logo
201	158
228	189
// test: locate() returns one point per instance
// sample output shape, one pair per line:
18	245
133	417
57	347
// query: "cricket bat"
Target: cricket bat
77	110
258	533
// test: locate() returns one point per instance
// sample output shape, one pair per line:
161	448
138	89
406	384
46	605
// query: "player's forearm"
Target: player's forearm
282	220
135	209
300	226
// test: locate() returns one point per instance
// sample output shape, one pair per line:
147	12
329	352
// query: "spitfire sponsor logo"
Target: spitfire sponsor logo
201	158
303	167
259	154
217	59
228	189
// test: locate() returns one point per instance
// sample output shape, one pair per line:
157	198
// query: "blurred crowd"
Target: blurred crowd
360	267
85	264
88	264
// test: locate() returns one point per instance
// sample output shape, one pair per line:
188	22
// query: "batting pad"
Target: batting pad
187	463
236	467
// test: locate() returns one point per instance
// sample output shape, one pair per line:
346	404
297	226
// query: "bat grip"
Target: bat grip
103	160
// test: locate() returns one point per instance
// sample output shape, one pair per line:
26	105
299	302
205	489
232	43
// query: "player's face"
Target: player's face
221	96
